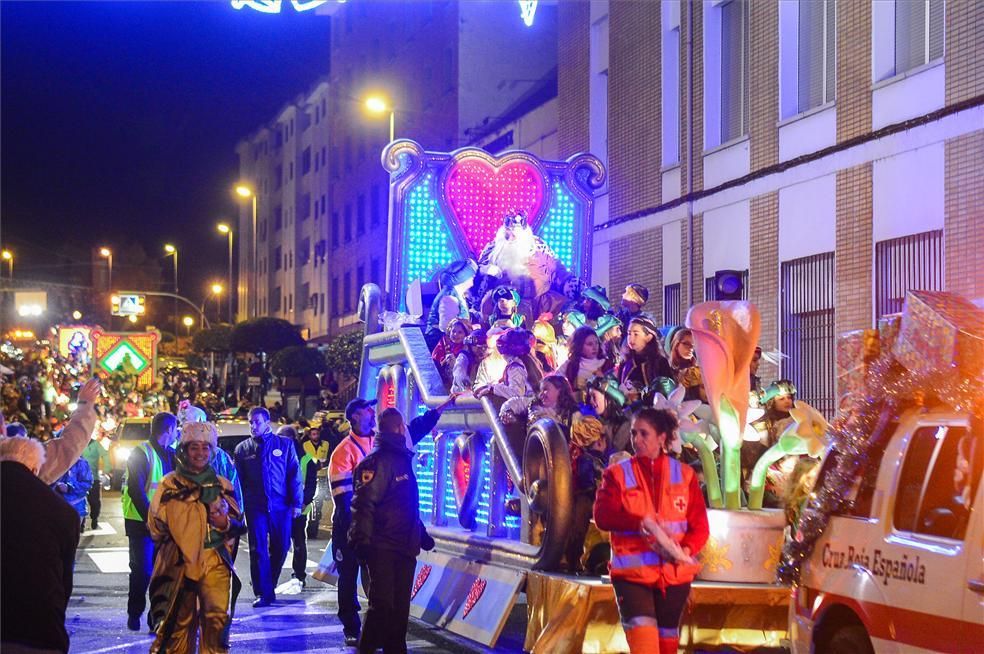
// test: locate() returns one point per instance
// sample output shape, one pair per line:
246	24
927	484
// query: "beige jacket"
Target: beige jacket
62	453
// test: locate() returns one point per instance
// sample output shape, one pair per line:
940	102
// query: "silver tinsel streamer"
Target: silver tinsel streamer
860	427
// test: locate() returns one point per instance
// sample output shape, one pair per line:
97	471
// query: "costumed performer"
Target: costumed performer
196	523
450	301
653	506
519	257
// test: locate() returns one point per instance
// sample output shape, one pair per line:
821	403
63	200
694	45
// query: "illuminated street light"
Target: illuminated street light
8	256
225	229
107	254
132	317
376	104
188	321
216	289
76	315
245	191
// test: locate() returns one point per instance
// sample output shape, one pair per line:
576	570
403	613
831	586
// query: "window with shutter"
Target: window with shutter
734	69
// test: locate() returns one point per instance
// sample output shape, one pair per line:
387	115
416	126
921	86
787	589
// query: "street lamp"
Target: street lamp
8	256
377	104
107	254
245	191
216	291
188	322
171	251
225	229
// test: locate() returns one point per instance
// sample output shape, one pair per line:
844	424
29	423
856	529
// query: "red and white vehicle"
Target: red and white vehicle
903	569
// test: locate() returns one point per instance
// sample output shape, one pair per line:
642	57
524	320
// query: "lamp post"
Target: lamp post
8	256
376	104
215	290
245	191
227	230
188	322
107	254
171	251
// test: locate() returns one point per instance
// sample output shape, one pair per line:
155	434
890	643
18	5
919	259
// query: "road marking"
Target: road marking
111	561
105	529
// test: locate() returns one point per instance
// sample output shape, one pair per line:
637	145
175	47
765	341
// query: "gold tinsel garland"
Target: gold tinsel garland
862	425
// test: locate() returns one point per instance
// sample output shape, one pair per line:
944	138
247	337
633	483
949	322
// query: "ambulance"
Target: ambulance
902	568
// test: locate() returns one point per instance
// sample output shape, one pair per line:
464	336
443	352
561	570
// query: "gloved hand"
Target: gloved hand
426	541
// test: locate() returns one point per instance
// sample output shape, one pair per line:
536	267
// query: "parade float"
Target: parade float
500	513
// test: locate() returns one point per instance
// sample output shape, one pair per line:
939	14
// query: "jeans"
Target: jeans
269	540
299	538
141	566
347	591
95	500
390	582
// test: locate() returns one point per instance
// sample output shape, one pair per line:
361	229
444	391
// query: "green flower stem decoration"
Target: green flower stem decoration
711	480
731	432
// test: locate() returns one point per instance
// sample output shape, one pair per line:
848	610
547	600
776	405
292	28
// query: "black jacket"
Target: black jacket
385	504
37	554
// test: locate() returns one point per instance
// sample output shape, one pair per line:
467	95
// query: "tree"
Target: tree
216	339
344	353
298	361
264	335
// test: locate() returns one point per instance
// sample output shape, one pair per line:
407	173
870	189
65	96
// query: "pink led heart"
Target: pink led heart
479	193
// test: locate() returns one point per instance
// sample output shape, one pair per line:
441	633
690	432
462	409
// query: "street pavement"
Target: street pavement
304	622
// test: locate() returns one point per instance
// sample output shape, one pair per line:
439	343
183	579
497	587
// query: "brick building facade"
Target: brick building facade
829	152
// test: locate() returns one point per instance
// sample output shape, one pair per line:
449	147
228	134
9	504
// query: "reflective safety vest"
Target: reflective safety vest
156	474
304	463
633	559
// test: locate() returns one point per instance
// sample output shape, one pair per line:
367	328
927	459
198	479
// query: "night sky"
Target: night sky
120	120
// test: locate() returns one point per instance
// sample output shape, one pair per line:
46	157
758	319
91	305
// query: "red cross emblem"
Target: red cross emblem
680	504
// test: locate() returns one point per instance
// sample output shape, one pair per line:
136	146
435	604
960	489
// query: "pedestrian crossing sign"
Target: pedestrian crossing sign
129	305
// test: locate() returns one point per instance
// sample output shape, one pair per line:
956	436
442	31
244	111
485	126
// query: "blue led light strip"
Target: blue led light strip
428	247
558	228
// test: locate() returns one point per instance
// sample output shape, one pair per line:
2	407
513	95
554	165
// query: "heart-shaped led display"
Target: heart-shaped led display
479	193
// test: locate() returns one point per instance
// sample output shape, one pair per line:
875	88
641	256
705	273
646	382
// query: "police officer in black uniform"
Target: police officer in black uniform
387	533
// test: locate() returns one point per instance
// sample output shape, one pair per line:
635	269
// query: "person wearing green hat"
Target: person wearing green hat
196	522
595	302
609	330
608	402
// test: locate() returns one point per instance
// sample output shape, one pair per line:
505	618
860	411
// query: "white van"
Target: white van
901	570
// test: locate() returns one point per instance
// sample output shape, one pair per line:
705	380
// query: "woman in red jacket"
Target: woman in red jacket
653	507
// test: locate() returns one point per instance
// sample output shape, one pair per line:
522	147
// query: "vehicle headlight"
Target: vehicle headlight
122	454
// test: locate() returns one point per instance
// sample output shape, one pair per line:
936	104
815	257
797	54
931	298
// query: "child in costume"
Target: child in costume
466	364
449	347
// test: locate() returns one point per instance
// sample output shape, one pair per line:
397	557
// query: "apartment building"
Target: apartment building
447	70
827	152
285	163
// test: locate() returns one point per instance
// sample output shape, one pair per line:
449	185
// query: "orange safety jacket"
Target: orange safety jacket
667	491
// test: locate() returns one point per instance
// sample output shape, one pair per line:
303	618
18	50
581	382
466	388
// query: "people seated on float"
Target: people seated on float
643	360
502	306
451	301
466	364
589	458
777	400
546	342
608	402
555	401
633	300
594	304
686	372
450	346
492	365
584	360
609	330
521	372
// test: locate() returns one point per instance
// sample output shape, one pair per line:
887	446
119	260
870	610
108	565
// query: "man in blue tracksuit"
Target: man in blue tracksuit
270	476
